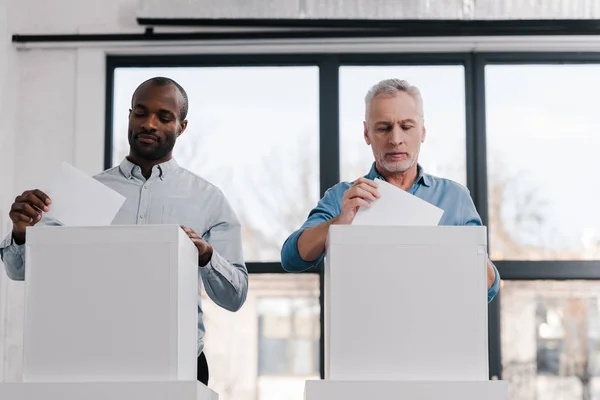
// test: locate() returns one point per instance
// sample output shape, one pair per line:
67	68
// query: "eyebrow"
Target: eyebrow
167	113
162	111
410	120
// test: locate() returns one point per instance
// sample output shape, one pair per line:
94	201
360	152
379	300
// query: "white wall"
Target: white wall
74	16
39	91
7	55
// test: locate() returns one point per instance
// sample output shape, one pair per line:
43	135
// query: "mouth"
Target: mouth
145	138
398	156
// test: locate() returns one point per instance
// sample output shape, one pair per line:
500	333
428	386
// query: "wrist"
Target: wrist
18	237
204	258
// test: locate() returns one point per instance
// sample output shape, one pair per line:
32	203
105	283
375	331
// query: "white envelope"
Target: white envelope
80	200
397	207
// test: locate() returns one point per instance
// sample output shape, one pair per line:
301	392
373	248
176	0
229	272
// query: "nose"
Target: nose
150	123
396	136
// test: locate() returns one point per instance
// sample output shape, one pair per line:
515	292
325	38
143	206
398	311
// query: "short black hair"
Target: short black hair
163	81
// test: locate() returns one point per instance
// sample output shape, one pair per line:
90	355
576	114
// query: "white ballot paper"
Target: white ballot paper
396	207
80	200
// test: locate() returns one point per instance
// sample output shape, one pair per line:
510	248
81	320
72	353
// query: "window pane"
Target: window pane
551	339
542	127
254	133
443	92
248	362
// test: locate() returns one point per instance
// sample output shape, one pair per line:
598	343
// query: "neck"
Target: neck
146	165
404	180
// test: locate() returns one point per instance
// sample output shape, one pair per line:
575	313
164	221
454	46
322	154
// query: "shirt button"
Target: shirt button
145	187
142	216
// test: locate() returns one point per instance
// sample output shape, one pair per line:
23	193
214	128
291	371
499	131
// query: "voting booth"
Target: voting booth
406	315
110	313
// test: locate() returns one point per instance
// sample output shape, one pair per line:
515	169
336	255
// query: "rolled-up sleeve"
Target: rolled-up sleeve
493	291
470	216
225	277
328	208
13	257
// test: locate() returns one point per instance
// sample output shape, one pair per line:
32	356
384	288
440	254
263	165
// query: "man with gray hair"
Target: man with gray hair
394	128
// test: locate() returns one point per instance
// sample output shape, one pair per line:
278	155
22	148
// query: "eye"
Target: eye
407	127
165	120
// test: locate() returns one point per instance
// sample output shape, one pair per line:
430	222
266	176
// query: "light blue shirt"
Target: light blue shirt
448	195
172	195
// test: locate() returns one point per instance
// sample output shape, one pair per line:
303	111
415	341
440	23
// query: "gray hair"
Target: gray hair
390	88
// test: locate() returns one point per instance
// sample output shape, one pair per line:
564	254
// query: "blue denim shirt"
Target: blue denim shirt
448	195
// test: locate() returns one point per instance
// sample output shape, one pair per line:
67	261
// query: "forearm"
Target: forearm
225	283
312	242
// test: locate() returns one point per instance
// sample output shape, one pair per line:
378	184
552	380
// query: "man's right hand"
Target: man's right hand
361	194
27	211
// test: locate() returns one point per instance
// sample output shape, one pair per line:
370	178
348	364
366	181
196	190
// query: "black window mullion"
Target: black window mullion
329	158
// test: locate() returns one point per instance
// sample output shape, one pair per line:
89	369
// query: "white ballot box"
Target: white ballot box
398	390
179	390
406	304
110	304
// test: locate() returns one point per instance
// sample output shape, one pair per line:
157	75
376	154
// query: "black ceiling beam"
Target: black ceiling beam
425	27
354	29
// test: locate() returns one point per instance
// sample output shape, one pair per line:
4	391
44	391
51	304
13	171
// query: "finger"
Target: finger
369	189
358	202
35	201
366	181
17	217
42	196
200	244
360	192
189	231
194	235
26	209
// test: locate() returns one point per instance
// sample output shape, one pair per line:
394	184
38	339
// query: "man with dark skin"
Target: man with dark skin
157	191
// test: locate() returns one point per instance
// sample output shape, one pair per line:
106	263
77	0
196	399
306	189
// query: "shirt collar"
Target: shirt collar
422	177
128	168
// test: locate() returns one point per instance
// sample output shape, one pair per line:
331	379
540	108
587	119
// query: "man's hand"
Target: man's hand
27	211
205	250
491	275
361	194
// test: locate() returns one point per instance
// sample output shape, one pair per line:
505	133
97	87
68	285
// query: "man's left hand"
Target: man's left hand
491	275
205	250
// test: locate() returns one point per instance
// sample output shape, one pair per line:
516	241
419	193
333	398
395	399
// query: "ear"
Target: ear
366	133
423	134
182	127
129	113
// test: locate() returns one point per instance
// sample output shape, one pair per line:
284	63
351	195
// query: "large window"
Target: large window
254	133
542	136
551	339
270	347
542	145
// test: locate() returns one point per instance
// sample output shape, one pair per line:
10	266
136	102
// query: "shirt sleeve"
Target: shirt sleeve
13	255
471	217
328	208
225	277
